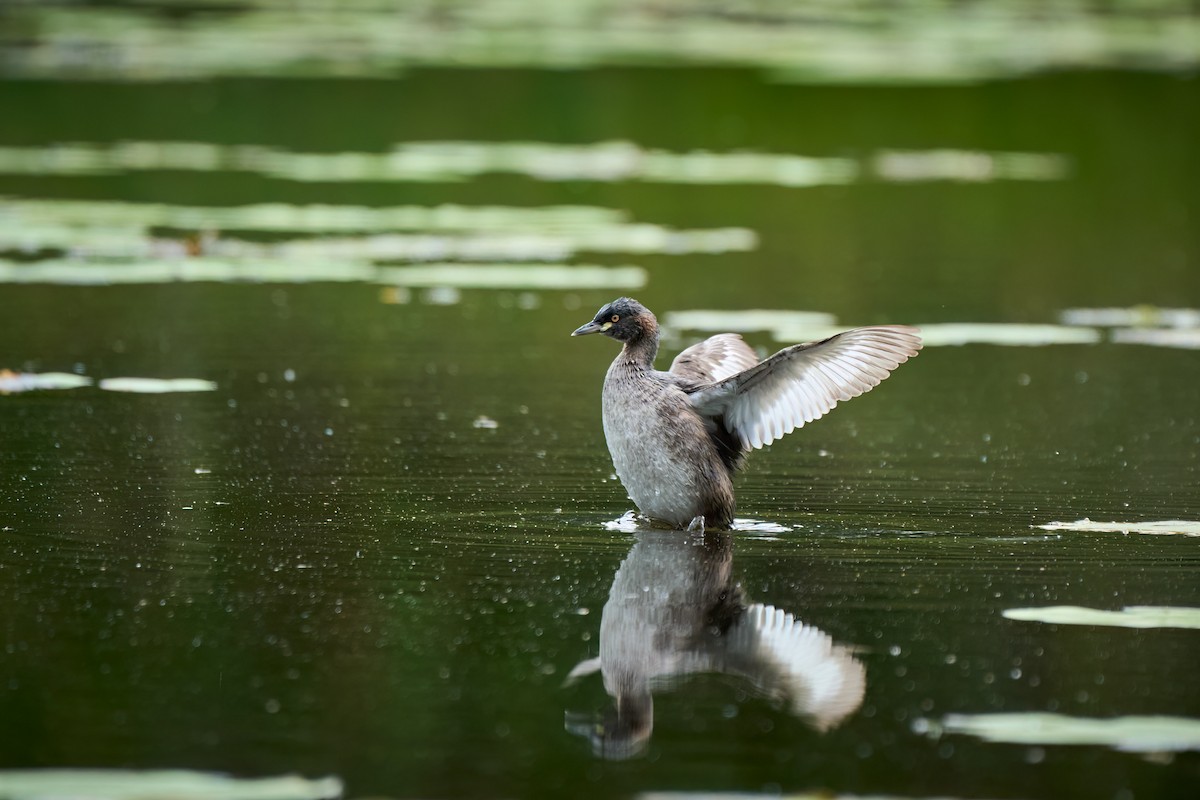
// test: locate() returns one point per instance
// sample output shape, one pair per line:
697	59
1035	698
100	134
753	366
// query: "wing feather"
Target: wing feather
765	401
714	359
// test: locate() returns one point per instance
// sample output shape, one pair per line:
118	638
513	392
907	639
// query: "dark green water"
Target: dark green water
328	566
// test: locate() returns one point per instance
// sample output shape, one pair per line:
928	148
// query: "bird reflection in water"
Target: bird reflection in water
675	611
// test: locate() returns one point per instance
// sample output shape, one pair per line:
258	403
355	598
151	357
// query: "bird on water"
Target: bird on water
677	437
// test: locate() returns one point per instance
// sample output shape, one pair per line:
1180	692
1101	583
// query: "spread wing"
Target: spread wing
715	359
802	382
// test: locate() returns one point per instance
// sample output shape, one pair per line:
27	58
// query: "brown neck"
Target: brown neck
641	351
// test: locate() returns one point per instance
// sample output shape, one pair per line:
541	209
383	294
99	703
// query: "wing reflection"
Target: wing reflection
674	611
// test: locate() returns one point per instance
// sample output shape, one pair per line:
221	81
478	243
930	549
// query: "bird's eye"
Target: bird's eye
616	317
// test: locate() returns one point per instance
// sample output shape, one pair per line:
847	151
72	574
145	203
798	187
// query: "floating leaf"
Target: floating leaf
441	162
1149	734
804	795
490	276
779	323
1006	334
116	234
157	385
97	784
515	276
1128	617
1168	527
810	41
1133	317
284	217
971	166
449	161
799	326
11	382
1188	338
102	273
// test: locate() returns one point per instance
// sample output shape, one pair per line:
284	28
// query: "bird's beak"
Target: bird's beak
591	327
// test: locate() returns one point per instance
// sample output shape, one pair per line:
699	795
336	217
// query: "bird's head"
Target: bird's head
624	319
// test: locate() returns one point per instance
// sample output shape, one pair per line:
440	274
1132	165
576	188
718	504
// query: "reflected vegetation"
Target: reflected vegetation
675	611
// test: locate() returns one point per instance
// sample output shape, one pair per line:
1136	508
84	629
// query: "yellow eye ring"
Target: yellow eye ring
616	317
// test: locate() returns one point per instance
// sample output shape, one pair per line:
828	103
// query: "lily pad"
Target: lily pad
157	385
93	784
867	43
1187	338
778	322
1133	316
439	161
970	166
515	276
489	276
604	161
125	231
1167	527
1128	617
960	333
805	795
12	382
1133	734
284	217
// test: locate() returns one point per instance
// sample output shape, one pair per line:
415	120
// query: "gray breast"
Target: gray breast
660	448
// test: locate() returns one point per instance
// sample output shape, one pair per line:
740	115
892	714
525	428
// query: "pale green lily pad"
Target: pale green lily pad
1166	527
438	161
1128	617
515	276
1187	338
75	272
1006	334
1133	317
12	382
610	161
1134	734
806	326
752	319
98	231
286	217
822	42
157	385
95	784
815	795
489	276
971	166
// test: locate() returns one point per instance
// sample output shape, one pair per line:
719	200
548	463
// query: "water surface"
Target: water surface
376	538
